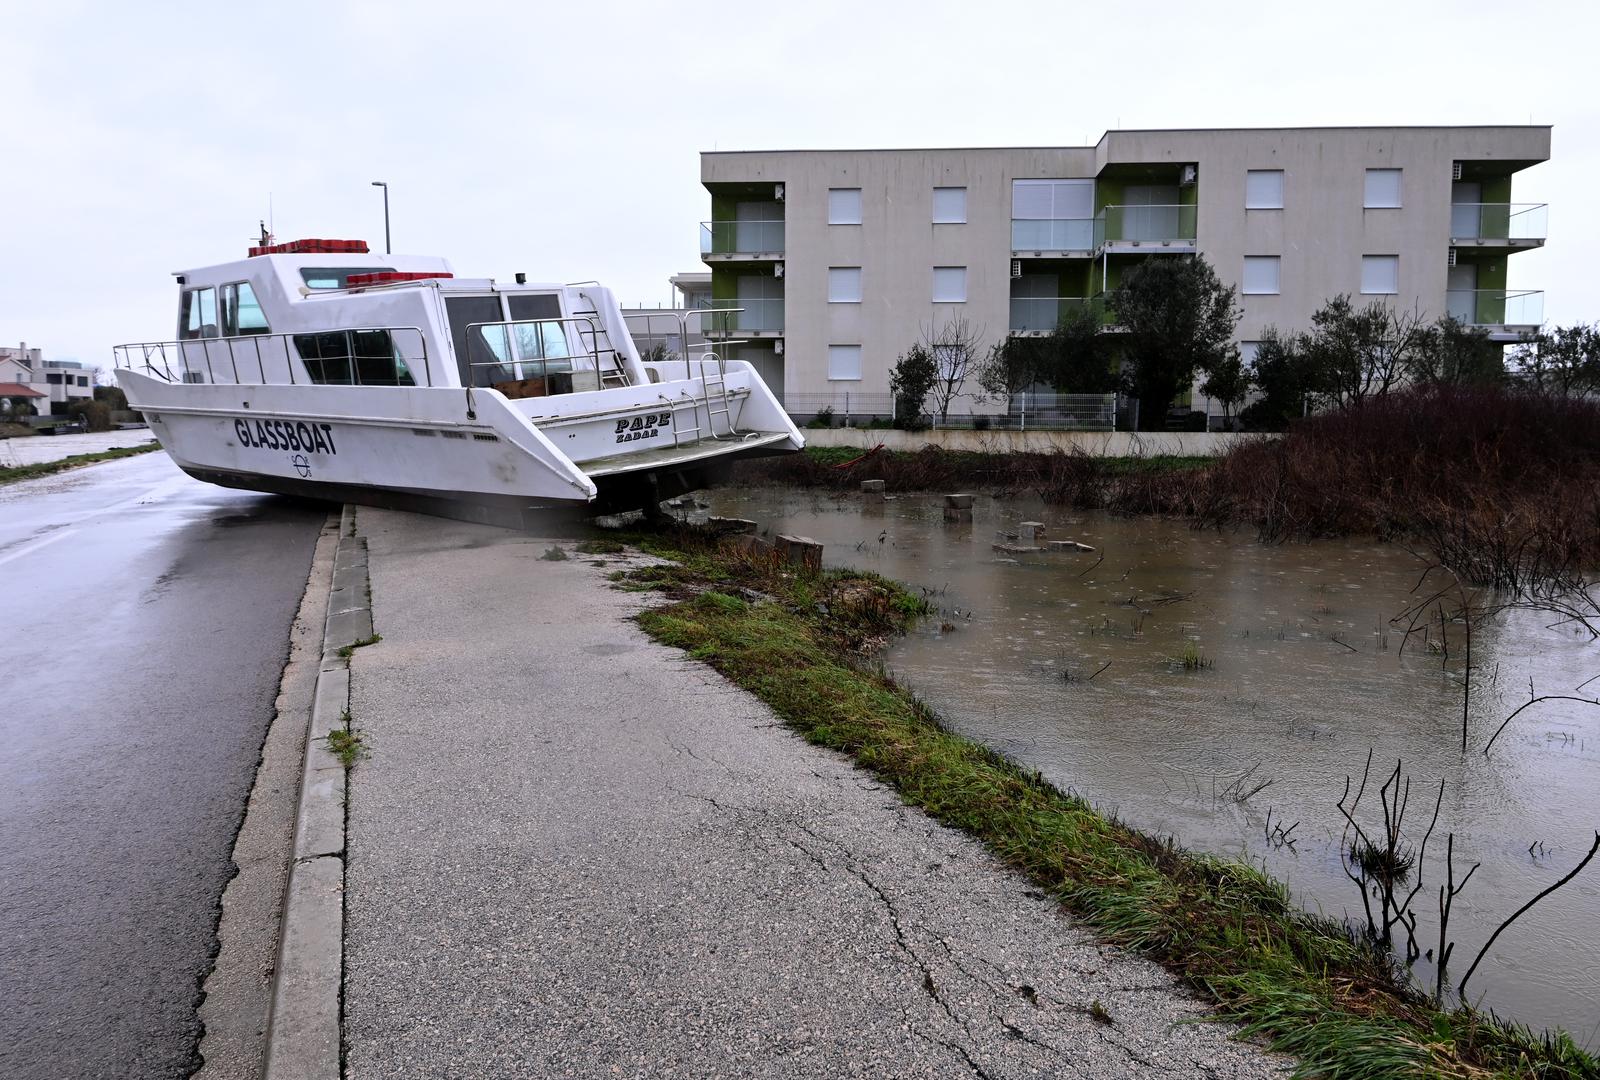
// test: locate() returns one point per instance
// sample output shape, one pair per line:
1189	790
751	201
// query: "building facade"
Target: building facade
58	384
837	261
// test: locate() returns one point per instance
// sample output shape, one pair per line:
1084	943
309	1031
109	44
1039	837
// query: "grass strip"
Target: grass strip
12	474
802	643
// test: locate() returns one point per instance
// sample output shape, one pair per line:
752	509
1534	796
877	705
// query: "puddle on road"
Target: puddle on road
1301	676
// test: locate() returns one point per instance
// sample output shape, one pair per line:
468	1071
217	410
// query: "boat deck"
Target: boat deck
670	456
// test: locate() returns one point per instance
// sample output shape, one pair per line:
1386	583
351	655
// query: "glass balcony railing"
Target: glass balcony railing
729	317
1496	307
1052	234
1145	224
1041	314
741	237
1499	221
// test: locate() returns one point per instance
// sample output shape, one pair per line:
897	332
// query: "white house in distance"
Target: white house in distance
51	386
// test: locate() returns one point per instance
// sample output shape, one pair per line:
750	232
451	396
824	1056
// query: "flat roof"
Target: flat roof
1141	131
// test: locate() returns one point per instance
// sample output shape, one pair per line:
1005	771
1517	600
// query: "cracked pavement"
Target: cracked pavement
576	853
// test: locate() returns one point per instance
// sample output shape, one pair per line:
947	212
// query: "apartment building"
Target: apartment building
841	259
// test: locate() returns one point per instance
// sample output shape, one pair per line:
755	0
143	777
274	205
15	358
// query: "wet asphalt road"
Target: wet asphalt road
145	624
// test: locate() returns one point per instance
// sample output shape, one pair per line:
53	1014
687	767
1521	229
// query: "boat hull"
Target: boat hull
447	451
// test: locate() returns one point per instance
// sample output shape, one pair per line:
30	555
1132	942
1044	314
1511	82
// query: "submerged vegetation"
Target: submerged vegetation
1501	486
802	641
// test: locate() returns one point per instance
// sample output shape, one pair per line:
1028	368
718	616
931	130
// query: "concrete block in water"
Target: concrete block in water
1030	533
959	501
730	525
800	551
1066	545
750	544
872	487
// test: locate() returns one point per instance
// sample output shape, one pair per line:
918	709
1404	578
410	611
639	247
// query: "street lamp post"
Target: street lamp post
387	249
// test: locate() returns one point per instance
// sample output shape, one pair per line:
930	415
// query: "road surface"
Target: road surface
145	623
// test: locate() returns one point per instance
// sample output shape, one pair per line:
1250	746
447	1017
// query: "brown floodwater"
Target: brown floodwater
1301	675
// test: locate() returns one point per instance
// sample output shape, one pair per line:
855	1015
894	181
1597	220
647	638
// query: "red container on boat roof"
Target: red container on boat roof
385	277
312	247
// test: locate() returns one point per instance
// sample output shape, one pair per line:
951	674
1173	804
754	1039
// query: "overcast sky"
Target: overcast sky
563	140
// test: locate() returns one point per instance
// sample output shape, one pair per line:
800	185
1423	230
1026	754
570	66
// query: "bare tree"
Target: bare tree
1363	352
956	348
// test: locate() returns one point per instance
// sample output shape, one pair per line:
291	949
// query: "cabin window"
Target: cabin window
336	277
241	312
198	318
353	358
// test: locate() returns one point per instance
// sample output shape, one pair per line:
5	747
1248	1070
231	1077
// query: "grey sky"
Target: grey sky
563	140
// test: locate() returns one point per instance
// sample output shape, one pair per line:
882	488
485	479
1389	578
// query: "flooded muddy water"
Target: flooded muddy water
1294	674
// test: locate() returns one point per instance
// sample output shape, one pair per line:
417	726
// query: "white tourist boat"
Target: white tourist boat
316	368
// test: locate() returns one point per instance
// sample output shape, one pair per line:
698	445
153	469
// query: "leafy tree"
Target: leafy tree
1564	361
1451	353
1071	359
1283	372
1227	381
1178	318
112	396
911	380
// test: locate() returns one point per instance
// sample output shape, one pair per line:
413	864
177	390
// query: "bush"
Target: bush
823	419
980	423
911	381
96	415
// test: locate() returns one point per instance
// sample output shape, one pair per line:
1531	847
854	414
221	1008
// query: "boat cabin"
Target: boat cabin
330	312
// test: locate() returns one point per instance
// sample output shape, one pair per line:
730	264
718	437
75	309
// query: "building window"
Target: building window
1383	188
844	284
1380	274
1263	189
844	206
83	380
53	377
844	362
949	206
949	284
1247	353
1261	275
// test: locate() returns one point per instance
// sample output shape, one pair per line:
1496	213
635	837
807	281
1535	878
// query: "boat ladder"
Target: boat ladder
713	398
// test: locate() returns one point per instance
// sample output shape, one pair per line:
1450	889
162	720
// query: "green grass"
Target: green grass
346	743
555	554
346	651
11	474
800	642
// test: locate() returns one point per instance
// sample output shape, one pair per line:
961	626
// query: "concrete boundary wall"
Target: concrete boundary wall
1094	443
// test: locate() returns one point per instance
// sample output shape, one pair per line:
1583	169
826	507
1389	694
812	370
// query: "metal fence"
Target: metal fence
1020	412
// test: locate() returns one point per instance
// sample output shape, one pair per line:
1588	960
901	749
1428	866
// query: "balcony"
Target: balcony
746	241
1128	228
1035	316
755	318
1052	236
1508	314
1512	225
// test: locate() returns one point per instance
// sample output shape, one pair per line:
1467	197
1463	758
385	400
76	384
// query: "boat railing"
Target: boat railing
343	356
524	350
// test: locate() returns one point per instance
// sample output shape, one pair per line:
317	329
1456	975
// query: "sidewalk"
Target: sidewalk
38	449
573	852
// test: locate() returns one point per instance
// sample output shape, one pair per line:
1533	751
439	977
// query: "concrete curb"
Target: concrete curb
303	1031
